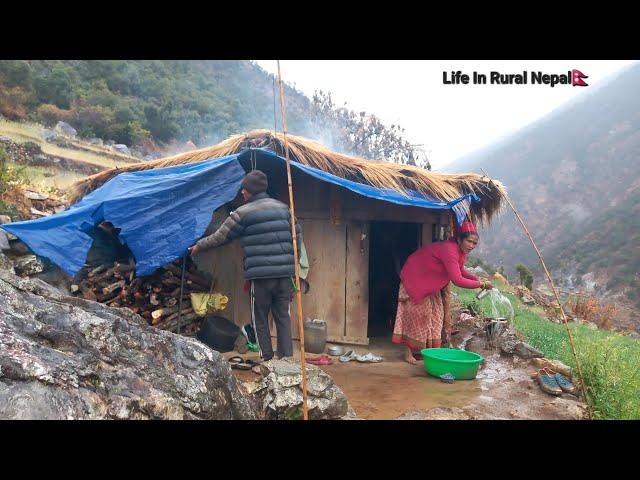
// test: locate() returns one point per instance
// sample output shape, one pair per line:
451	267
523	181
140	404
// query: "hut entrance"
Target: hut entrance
390	244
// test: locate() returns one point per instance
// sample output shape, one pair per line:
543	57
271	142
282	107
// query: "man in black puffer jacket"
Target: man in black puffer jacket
264	225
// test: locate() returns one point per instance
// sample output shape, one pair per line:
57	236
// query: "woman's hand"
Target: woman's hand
193	250
486	286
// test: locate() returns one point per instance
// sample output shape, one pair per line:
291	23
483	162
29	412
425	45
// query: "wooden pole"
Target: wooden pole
555	292
303	365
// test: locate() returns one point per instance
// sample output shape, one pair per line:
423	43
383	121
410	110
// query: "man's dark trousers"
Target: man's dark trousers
272	294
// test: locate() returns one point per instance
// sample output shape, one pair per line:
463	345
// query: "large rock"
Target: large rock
18	248
66	129
68	358
4	241
50	135
121	148
29	265
6	263
280	392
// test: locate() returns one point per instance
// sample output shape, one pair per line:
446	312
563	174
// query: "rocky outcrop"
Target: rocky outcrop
28	265
66	129
68	358
279	394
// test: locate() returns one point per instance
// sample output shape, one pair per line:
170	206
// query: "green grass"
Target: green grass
610	361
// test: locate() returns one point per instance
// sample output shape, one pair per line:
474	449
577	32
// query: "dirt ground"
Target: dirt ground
393	389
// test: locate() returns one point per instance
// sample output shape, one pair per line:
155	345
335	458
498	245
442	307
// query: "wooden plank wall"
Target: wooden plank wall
333	222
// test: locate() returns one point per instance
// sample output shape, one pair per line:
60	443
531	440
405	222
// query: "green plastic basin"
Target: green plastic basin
461	364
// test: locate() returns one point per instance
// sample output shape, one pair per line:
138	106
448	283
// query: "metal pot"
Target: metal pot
335	350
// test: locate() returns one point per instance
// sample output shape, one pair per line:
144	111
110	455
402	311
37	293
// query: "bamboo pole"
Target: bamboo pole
303	366
555	292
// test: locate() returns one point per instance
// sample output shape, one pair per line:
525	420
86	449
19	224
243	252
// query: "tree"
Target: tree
55	88
363	134
526	278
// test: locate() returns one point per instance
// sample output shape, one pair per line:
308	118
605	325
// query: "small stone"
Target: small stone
28	265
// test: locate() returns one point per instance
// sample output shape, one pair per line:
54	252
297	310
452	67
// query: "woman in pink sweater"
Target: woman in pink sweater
425	274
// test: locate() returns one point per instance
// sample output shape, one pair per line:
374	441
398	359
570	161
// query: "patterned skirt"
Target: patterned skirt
419	325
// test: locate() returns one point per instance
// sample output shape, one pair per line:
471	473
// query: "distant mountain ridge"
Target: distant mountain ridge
574	176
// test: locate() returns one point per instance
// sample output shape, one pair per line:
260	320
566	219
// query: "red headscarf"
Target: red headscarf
466	226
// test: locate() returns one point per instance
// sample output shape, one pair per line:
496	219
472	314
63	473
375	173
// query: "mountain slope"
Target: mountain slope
575	178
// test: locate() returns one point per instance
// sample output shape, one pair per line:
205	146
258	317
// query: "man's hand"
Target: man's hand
193	250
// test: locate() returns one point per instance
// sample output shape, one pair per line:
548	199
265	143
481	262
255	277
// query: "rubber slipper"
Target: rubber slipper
239	363
319	361
236	359
447	378
252	362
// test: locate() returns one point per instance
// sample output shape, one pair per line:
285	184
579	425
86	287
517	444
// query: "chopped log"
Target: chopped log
123	267
185	311
191	277
113	287
153	299
135	285
103	276
97	270
171	281
74	288
173	324
163	312
88	294
105	297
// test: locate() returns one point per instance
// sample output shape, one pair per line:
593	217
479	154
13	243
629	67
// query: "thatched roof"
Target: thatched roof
379	174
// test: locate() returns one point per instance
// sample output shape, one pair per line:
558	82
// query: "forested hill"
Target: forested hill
150	103
129	101
575	177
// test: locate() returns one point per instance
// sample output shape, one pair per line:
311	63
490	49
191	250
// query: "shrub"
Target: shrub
50	114
526	278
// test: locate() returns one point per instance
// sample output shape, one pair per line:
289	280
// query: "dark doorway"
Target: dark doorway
390	244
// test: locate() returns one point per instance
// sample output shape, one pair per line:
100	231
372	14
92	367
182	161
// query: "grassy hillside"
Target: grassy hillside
610	361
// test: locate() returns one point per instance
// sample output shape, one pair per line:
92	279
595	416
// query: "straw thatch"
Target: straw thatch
379	174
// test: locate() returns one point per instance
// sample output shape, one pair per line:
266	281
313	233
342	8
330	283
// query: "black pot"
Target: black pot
218	333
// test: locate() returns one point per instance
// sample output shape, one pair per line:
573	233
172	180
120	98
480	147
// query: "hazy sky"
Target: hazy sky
450	120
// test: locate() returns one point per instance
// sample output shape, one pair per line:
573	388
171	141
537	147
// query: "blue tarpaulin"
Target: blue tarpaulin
163	211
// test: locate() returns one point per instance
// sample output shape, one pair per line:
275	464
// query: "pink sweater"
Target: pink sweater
432	267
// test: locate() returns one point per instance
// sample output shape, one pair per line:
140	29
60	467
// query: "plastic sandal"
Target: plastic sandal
369	358
347	357
548	383
565	384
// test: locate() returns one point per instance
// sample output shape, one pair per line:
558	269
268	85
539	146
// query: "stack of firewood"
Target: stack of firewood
155	297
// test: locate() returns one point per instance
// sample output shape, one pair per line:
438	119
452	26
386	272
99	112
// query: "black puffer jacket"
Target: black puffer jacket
264	225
